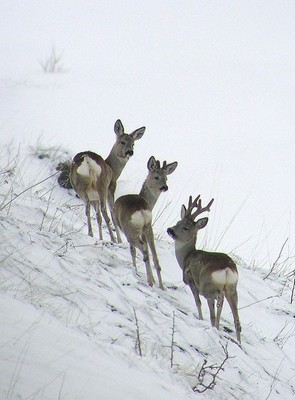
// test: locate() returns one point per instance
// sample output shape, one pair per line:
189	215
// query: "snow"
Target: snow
213	83
69	305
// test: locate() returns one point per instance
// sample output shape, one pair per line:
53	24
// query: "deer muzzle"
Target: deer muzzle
171	233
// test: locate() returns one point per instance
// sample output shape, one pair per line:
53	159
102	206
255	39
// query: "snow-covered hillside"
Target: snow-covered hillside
213	82
72	309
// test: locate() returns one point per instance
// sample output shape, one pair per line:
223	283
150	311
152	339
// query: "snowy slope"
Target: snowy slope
69	306
213	82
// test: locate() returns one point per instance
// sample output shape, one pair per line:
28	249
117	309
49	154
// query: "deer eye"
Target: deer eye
185	228
123	143
157	178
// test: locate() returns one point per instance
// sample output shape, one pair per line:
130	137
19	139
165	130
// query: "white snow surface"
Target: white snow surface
69	305
213	82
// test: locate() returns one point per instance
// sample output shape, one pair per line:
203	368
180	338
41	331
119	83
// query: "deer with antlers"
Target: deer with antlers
94	179
212	275
133	213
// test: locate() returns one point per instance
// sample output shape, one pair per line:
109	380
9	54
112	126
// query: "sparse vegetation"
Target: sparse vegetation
72	269
53	63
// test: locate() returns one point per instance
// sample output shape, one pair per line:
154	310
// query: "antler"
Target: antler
197	203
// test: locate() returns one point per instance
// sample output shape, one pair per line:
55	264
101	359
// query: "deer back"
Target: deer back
90	175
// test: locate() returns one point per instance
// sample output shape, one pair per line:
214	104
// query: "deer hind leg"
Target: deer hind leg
151	242
220	300
96	206
87	212
143	247
107	220
232	298
211	305
133	256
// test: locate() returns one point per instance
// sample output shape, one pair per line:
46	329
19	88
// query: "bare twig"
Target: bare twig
293	289
53	63
277	259
138	342
47	208
172	340
210	371
259	301
24	191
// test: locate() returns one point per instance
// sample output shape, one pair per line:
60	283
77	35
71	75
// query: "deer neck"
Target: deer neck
116	163
183	250
149	195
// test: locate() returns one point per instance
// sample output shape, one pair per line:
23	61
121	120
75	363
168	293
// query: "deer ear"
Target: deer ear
201	223
171	167
183	212
118	128
138	133
152	164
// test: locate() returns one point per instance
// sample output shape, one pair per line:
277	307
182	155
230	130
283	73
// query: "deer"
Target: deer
94	179
133	214
210	274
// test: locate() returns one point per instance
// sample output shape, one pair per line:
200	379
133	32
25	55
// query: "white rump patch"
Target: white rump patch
89	167
225	277
141	218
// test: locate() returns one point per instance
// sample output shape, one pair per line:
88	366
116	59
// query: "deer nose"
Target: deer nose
170	232
129	153
164	188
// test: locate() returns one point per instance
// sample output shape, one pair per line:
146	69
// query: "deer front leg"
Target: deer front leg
111	206
107	221
188	280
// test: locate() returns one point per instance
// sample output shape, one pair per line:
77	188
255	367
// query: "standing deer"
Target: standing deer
133	213
213	275
94	179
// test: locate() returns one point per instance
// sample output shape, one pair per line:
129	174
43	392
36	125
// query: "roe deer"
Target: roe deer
133	214
94	179
213	275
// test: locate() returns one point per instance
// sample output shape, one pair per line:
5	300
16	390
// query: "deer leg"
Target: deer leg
189	281
96	206
211	305
111	205
151	242
119	239
133	256
145	252
220	300
107	220
232	298
87	212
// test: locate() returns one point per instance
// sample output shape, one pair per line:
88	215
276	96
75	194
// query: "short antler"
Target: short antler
191	205
197	203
